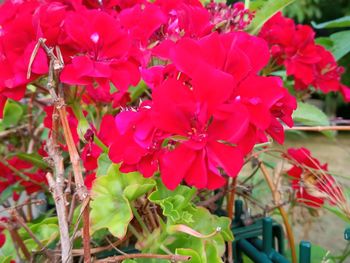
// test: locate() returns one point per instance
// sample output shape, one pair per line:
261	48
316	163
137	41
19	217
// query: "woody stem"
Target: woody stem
276	199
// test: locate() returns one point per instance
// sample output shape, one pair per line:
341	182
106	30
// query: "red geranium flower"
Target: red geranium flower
9	177
294	47
200	142
102	52
311	180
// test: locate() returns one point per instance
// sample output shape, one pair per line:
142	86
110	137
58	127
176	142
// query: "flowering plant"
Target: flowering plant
131	113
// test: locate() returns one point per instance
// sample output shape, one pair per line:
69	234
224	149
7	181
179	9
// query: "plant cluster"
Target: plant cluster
132	119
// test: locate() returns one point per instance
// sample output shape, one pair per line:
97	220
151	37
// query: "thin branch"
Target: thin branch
55	66
57	192
319	128
277	198
35	202
79	252
16	238
8	132
21	221
172	258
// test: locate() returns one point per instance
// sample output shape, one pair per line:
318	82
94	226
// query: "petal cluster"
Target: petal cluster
310	64
311	181
207	112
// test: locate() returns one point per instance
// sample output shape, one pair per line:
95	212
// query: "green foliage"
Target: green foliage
183	219
115	191
46	231
13	112
310	115
137	91
175	204
341	45
337	43
336	23
104	163
269	8
304	10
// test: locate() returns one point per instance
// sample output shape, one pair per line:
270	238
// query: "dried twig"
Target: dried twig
57	192
172	258
319	128
17	240
56	64
18	129
277	199
230	204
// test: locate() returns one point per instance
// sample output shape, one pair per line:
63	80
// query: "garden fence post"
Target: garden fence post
305	252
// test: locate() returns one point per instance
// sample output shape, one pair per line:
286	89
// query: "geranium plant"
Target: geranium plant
131	121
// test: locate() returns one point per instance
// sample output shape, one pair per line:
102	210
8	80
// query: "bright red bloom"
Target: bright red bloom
106	134
202	144
294	47
142	20
242	56
137	143
9	177
207	112
311	181
89	180
102	52
17	27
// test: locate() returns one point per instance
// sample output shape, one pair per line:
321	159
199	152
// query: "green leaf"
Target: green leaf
270	8
206	223
137	91
326	42
336	23
4	259
7	193
103	163
133	184
8	249
195	258
115	191
46	231
341	45
33	158
175	204
310	115
13	113
137	186
112	212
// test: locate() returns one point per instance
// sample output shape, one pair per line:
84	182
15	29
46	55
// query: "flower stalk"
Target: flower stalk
277	198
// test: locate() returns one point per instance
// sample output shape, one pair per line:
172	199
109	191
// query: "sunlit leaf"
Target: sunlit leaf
13	113
341	45
270	8
310	115
336	23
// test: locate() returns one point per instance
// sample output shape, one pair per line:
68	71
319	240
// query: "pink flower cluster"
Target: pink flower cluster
310	64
